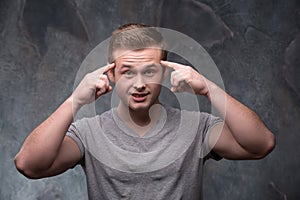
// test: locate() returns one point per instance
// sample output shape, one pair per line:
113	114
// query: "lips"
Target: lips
139	97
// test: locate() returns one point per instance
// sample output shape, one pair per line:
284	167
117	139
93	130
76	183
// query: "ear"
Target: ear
111	75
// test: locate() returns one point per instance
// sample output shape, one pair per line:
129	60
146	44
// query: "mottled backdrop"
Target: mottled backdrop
255	44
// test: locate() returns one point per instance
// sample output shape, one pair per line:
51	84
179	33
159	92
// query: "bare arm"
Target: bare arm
243	135
47	151
43	145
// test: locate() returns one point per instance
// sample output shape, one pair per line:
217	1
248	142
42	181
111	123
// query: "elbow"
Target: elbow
272	142
23	167
268	146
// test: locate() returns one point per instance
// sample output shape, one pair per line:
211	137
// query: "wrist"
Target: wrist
74	104
212	89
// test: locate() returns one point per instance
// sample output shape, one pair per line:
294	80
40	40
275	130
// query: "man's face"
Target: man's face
138	76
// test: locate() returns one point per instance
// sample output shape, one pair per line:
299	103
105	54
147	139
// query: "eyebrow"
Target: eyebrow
152	65
125	66
146	66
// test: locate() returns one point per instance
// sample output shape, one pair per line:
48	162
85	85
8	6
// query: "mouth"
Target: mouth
139	97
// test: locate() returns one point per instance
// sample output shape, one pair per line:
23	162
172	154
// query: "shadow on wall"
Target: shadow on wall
36	16
291	68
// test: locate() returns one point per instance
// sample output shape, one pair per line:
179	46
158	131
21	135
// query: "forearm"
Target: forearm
244	134
41	147
245	126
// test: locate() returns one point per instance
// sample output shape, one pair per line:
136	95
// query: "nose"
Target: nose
139	83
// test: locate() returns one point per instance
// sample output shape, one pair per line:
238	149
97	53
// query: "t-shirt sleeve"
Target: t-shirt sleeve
73	133
209	122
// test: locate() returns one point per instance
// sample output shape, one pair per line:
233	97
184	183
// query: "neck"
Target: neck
140	120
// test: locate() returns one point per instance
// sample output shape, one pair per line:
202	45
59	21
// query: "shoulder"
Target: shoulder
87	122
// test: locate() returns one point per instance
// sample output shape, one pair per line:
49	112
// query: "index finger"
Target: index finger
108	67
172	65
104	69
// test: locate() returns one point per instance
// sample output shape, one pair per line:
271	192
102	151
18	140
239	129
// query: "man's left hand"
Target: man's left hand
186	79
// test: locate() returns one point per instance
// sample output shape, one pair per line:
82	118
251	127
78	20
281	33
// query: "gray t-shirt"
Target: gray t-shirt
166	163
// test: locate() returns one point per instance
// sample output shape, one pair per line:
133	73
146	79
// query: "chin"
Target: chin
139	107
136	106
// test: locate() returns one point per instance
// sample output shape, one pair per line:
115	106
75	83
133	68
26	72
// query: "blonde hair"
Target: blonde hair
135	36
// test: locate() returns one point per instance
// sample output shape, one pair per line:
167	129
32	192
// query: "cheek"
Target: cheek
122	84
154	87
157	80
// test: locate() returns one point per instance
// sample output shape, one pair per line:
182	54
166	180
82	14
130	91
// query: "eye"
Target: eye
149	72
128	73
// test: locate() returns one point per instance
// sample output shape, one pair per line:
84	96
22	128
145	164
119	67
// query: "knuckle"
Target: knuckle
103	77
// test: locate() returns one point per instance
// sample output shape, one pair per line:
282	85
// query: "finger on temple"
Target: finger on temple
172	65
108	67
104	69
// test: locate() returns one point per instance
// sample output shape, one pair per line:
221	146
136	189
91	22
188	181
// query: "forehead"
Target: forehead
135	57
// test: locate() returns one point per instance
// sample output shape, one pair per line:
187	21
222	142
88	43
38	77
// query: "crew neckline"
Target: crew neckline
154	130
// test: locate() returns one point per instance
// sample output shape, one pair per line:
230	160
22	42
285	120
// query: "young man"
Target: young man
142	149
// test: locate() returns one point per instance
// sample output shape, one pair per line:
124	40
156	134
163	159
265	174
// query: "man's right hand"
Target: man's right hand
92	86
47	151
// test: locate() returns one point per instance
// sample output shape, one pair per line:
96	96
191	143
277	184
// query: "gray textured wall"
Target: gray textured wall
255	44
